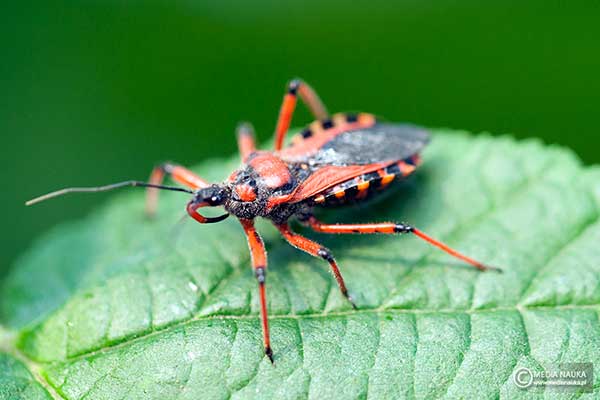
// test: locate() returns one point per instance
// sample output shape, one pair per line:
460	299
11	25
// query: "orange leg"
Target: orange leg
315	249
391	228
179	174
259	264
308	96
245	139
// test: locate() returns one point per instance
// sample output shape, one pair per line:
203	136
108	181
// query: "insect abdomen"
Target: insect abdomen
364	186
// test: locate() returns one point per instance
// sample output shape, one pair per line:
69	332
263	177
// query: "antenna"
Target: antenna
105	188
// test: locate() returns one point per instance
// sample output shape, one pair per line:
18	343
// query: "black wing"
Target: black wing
380	142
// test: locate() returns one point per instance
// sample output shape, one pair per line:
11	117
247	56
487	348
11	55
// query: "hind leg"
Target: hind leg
297	88
394	228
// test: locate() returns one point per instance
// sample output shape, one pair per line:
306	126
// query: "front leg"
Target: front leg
308	96
259	265
392	228
178	174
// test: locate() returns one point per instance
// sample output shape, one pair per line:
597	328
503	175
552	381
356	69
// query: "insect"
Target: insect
337	159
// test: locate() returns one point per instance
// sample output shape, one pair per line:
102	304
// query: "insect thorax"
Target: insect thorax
255	183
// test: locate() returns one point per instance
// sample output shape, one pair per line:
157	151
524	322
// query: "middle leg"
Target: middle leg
315	249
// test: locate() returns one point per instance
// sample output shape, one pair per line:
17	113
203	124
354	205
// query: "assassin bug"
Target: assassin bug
335	160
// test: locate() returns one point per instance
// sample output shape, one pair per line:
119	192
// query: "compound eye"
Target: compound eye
216	199
212	196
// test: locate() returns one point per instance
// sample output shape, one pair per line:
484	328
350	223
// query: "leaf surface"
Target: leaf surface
16	382
116	306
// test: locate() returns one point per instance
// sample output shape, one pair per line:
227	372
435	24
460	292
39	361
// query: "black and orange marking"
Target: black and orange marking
359	188
303	147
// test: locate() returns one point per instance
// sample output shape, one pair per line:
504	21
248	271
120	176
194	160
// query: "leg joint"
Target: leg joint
325	254
245	128
166	167
269	353
261	274
293	86
403	228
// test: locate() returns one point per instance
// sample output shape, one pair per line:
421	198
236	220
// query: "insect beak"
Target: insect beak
192	210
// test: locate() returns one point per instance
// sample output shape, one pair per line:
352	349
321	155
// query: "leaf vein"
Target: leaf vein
580	232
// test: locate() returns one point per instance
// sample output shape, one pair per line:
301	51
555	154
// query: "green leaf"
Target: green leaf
116	306
16	382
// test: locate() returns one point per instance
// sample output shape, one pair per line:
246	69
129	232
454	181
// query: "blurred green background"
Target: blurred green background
93	92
